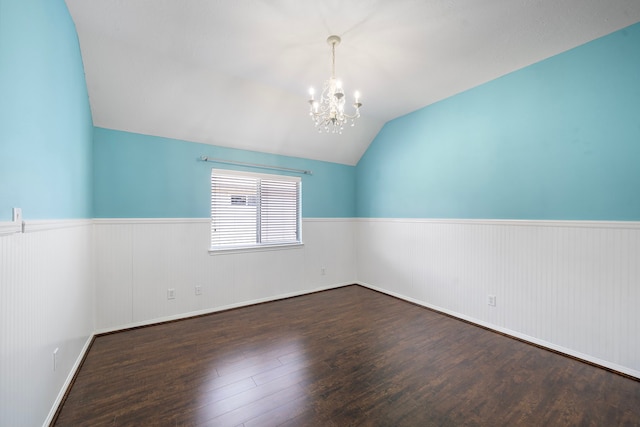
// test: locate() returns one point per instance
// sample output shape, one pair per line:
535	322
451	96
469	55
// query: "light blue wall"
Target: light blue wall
141	176
45	119
557	140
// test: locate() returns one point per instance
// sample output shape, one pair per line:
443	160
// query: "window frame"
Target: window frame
257	246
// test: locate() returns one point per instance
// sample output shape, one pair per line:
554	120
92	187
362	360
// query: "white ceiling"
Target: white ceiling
236	73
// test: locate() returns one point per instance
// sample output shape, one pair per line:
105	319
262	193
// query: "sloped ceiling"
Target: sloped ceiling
236	73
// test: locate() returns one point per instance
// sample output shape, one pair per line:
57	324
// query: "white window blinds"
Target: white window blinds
250	209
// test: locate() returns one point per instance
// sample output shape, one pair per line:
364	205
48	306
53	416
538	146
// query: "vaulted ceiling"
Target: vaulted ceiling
237	73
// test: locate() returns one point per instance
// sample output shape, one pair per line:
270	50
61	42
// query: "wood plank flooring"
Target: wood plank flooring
344	357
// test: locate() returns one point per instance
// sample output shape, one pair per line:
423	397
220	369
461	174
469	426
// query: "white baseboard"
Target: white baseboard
217	309
68	381
515	334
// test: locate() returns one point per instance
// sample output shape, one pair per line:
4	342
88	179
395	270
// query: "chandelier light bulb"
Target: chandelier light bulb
328	112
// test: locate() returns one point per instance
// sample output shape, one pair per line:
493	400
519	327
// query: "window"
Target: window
254	210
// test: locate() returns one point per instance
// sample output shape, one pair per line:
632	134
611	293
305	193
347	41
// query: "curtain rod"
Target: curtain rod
255	165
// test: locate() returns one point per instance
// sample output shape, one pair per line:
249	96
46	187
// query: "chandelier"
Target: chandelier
327	113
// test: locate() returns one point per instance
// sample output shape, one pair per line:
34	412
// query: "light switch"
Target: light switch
17	214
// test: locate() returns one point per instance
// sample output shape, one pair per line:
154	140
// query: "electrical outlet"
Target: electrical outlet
55	358
198	290
171	293
323	271
491	300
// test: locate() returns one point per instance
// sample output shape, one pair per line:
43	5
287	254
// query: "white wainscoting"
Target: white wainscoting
570	286
46	302
138	260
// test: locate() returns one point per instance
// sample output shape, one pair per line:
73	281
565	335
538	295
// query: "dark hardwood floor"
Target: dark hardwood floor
345	357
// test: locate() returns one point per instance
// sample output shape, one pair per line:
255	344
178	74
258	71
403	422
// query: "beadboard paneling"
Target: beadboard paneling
572	286
138	260
46	302
113	273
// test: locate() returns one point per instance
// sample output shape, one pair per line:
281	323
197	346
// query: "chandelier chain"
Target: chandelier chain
333	60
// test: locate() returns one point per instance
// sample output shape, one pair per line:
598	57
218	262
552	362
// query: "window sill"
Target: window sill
261	248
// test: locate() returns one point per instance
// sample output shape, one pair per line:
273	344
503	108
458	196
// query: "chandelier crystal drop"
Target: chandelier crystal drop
327	113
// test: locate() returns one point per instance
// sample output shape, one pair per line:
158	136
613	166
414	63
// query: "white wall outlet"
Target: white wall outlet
198	290
17	214
171	293
55	358
491	300
323	271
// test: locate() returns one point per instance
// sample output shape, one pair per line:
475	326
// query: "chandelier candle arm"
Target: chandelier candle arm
327	113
